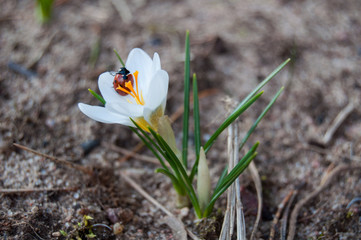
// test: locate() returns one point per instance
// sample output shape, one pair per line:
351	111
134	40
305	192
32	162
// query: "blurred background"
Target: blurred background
47	65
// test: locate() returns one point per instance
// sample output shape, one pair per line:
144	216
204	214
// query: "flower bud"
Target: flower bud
203	181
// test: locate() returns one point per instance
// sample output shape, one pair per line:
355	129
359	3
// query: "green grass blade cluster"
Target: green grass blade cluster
177	172
149	143
179	169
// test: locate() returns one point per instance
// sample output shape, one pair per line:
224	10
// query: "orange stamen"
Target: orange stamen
135	94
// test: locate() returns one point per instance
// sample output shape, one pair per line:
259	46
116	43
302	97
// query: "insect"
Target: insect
121	77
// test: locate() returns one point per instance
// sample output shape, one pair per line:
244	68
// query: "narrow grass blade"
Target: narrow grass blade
236	171
250	131
95	52
177	186
171	155
221	178
97	96
264	82
166	154
186	101
233	174
118	56
229	120
150	147
147	137
197	129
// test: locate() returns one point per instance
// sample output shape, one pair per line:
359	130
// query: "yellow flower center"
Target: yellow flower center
138	96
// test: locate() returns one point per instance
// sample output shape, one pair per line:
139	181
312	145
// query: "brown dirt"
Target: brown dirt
234	45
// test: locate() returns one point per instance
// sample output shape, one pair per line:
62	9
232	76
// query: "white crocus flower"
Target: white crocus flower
145	97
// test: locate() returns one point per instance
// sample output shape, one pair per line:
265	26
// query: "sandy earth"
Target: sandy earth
234	44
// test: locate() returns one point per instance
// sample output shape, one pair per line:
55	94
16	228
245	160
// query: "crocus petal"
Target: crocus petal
138	60
155	68
105	84
157	94
126	109
101	114
156	63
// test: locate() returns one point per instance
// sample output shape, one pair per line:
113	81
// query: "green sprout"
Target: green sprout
83	229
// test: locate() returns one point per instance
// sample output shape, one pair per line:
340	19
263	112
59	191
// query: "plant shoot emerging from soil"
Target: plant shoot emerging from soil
136	95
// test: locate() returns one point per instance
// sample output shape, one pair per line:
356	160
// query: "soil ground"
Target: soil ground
234	45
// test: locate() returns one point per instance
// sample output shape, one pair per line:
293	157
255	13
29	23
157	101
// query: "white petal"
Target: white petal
157	93
126	109
156	63
101	114
138	60
105	84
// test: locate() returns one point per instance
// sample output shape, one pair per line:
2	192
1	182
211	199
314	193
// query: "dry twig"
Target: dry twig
234	204
318	190
31	190
340	118
56	160
285	215
257	182
326	152
278	214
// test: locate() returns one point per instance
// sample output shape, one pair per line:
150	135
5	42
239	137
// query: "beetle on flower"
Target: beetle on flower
143	97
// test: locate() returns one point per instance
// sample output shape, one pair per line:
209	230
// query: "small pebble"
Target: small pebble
34	209
118	228
56	234
76	195
112	215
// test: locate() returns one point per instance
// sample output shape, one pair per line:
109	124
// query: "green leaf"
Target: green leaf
118	56
186	101
62	232
183	179
95	52
221	178
149	143
250	131
229	120
91	235
177	186
233	174
197	129
264	82
97	96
